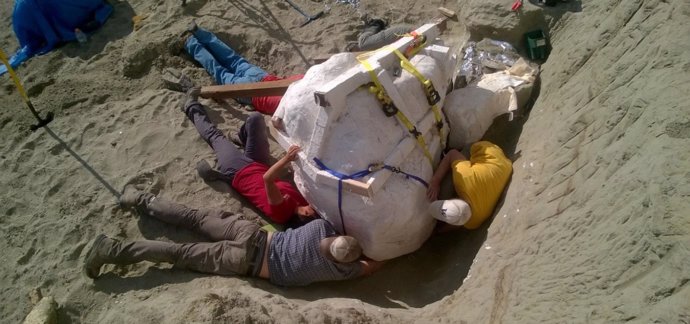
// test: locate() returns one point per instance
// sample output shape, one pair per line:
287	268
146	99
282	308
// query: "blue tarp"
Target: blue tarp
42	24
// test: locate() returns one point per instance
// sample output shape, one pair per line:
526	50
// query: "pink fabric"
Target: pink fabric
267	105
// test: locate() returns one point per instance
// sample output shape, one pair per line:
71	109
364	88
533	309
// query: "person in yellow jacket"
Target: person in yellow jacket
479	183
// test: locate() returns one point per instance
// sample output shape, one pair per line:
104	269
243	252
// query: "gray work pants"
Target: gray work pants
253	135
236	241
371	38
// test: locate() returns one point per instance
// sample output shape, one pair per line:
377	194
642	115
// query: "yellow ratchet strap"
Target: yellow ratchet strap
389	108
13	75
432	95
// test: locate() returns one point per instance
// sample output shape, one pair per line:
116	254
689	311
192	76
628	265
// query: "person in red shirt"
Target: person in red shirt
248	172
228	67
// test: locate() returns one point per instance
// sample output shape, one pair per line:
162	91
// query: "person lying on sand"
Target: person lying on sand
479	182
296	257
228	67
377	34
249	172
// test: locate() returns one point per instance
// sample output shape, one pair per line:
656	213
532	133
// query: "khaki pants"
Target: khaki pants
231	252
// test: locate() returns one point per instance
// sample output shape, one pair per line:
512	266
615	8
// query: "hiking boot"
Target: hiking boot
352	47
176	80
98	255
377	23
133	198
192	97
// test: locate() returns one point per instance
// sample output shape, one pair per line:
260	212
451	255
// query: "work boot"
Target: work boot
378	24
98	255
192	97
133	198
176	80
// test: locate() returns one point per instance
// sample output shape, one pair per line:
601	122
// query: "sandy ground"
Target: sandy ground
594	226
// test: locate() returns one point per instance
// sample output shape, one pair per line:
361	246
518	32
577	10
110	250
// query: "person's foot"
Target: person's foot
98	255
192	96
192	27
131	197
176	80
380	24
193	93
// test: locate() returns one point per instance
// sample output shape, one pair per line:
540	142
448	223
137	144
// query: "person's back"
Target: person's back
312	265
481	180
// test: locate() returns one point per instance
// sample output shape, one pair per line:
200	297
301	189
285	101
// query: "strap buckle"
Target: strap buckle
375	167
389	109
415	132
432	96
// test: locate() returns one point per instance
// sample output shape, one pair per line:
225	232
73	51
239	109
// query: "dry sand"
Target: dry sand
594	226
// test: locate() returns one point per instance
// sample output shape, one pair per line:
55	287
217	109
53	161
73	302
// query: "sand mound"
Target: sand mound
593	226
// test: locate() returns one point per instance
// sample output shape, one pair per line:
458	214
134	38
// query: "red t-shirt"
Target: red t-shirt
249	182
268	105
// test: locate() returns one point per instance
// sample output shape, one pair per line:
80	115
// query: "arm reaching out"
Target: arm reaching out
441	171
274	195
370	266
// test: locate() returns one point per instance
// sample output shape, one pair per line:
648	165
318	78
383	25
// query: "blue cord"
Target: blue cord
360	174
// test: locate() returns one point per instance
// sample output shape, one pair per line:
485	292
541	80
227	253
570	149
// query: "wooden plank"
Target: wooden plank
257	89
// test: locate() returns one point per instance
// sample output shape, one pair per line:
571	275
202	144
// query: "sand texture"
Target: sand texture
594	226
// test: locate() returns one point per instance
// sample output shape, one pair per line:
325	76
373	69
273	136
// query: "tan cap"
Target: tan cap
345	249
452	211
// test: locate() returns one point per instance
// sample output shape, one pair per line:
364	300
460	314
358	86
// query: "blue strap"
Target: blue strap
360	174
407	175
341	177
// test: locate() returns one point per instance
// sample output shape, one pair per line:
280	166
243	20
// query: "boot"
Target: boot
192	97
98	255
105	250
133	198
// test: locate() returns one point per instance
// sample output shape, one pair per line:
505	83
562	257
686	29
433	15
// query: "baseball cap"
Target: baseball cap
452	211
345	249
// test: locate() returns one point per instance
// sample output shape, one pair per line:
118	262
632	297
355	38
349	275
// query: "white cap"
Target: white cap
345	249
453	211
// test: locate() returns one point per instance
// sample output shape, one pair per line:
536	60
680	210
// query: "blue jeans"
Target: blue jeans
221	61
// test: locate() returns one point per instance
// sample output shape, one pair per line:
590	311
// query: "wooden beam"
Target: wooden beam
244	90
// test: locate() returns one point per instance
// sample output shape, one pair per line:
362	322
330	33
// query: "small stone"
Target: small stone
35	296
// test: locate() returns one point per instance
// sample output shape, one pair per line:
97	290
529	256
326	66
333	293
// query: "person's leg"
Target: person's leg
230	159
242	70
216	224
223	258
253	135
371	39
221	74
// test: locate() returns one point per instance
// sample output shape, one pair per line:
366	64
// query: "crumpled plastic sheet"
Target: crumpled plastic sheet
353	3
486	54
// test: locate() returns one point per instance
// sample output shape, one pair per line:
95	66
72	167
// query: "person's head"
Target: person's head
452	211
343	249
305	212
